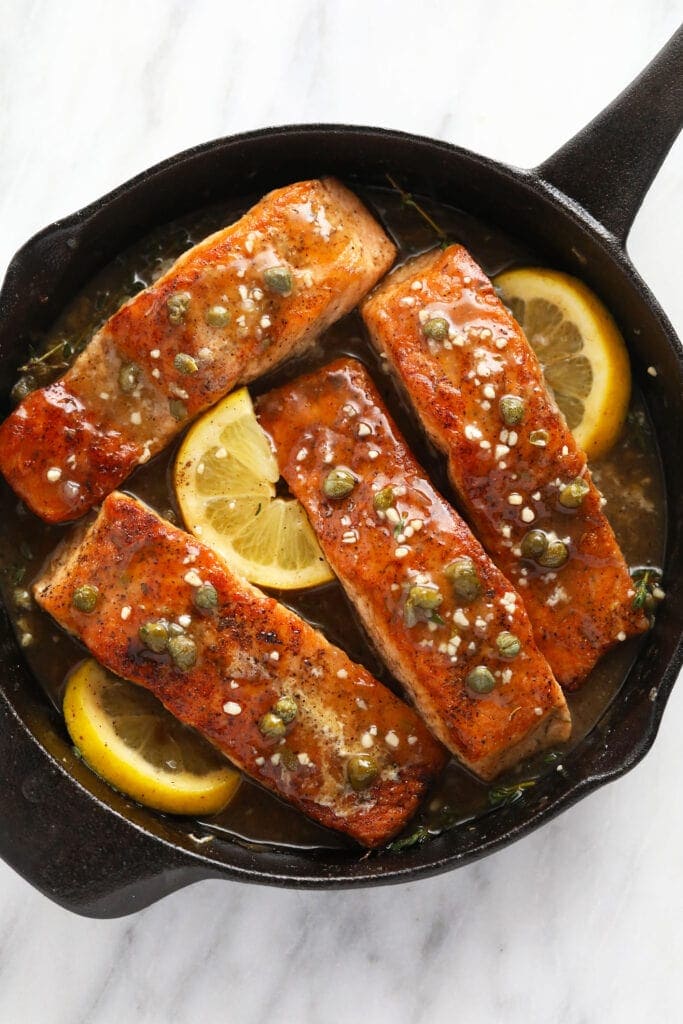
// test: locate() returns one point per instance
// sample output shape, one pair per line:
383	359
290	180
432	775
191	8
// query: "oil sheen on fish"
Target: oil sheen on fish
478	389
249	654
228	310
448	624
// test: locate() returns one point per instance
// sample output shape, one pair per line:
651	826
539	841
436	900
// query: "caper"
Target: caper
462	575
480	680
85	598
286	708
183	651
361	771
177	409
278	279
555	555
177	306
539	438
572	495
534	544
436	328
384	499
338	483
23	387
129	377
154	635
508	644
22	599
511	410
217	316
424	597
272	725
206	597
175	629
185	364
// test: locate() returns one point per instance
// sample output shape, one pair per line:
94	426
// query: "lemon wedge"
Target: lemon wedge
225	478
584	358
129	739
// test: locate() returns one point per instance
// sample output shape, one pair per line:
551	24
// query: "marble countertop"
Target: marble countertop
581	921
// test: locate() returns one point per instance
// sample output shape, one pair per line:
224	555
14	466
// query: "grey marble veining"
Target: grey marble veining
579	923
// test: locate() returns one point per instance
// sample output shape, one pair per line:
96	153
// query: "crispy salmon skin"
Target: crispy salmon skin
228	310
393	542
478	390
250	653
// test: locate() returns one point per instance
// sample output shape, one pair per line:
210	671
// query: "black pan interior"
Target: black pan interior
89	848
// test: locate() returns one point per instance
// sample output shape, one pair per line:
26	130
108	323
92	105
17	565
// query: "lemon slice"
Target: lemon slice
225	478
582	353
125	735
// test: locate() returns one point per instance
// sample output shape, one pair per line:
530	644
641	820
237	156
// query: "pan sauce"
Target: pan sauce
629	477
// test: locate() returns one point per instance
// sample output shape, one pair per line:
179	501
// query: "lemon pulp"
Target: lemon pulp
581	351
225	478
128	738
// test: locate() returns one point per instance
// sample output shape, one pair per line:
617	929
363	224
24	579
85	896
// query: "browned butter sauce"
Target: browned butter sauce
630	478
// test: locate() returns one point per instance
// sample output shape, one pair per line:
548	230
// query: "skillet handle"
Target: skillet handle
608	167
69	845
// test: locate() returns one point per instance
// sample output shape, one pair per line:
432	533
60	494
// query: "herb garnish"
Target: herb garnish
408	200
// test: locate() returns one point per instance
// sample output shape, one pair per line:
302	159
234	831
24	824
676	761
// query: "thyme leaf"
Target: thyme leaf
408	200
503	796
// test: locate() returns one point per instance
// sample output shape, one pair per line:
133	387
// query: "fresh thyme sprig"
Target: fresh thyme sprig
409	200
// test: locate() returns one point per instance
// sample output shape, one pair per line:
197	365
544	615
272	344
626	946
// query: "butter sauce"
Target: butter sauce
629	477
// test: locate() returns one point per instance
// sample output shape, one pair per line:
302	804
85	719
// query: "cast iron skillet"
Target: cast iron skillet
96	853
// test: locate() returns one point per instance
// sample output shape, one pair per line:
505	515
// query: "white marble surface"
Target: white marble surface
579	923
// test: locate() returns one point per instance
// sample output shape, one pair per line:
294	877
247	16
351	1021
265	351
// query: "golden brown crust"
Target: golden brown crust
506	484
251	651
89	434
335	418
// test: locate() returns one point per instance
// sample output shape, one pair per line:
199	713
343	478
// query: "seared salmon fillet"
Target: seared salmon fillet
262	685
448	624
227	311
478	389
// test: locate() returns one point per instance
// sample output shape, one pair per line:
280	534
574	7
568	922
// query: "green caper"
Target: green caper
278	279
361	771
534	544
384	499
85	598
129	377
508	644
539	438
436	328
183	651
511	410
481	680
338	483
462	575
185	364
554	556
177	409
572	495
175	629
154	635
286	708
206	597
177	306
22	599
424	597
217	316
23	387
272	725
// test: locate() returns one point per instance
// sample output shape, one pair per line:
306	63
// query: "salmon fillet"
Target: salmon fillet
333	422
250	653
510	477
228	310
